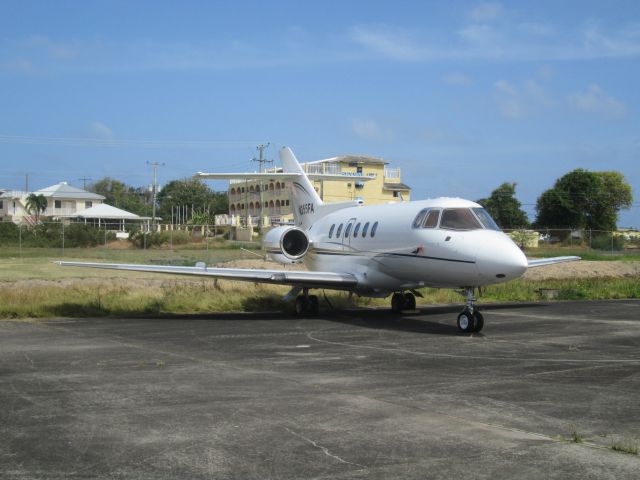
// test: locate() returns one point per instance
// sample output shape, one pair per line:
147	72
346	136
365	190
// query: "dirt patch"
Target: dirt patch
584	269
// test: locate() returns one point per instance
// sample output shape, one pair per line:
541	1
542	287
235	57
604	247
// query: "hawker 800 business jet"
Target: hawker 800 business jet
375	251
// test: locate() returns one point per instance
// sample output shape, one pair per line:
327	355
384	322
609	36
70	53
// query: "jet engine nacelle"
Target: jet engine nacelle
286	244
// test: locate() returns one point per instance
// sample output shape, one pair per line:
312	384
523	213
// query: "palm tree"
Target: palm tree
36	204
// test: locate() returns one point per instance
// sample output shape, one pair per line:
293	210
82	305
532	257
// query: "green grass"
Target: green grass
36	263
124	296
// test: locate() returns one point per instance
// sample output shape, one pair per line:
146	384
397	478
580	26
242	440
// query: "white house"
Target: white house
62	199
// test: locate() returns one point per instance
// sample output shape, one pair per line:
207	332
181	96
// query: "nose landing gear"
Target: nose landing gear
470	319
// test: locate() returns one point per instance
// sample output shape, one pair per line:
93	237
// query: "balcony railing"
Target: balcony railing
392	173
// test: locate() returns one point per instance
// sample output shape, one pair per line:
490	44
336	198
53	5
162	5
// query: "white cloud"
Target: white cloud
457	78
596	100
55	50
510	103
485	12
100	131
391	43
22	65
369	129
516	102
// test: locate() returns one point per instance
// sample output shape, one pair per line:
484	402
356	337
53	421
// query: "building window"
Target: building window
364	230
1	205
332	229
57	203
356	230
359	170
88	204
287	202
373	229
339	231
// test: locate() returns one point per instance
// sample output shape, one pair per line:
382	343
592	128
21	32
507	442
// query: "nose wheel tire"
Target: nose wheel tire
470	322
466	321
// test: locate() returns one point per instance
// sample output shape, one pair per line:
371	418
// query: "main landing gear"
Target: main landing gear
307	304
470	319
403	301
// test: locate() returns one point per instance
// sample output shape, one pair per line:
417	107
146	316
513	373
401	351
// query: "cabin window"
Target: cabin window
431	221
356	230
364	230
459	219
373	229
332	229
485	219
339	231
347	230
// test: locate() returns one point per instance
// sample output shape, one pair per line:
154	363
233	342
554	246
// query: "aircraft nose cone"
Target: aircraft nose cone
502	261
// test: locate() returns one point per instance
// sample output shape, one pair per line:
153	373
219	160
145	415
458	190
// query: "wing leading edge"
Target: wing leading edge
541	262
340	281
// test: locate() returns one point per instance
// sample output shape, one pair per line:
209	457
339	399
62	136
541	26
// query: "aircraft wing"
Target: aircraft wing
541	262
280	176
339	281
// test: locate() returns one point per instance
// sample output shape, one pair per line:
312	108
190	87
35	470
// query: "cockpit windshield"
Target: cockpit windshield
459	219
455	219
486	219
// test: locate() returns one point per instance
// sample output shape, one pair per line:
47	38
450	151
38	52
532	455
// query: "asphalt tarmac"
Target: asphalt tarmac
544	391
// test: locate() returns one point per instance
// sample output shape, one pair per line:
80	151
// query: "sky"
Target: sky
462	96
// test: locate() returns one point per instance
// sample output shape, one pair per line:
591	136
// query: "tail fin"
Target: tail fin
305	201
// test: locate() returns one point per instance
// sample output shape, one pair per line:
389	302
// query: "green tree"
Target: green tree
584	199
505	208
195	195
36	204
122	196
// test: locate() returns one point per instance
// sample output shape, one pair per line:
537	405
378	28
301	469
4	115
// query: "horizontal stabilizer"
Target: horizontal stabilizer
541	262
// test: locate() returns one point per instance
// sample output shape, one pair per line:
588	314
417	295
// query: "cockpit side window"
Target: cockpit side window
459	219
431	221
485	219
417	222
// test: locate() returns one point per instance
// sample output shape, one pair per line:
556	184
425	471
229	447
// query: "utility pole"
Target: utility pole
261	161
155	166
26	182
84	182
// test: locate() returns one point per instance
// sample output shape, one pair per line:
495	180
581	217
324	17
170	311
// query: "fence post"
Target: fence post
63	239
611	233
20	240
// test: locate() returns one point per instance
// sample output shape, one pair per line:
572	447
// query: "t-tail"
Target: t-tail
305	201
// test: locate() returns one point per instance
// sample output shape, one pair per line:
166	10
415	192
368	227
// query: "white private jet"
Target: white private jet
374	251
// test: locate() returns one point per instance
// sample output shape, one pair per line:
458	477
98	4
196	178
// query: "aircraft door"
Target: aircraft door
347	235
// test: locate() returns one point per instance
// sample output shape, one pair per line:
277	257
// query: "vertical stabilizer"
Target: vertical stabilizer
305	201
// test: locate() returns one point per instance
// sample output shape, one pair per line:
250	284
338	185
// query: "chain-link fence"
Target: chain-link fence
177	244
69	239
620	241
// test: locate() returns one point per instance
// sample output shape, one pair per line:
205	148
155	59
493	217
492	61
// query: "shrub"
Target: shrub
603	242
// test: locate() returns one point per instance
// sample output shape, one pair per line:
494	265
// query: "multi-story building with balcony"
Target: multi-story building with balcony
253	198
